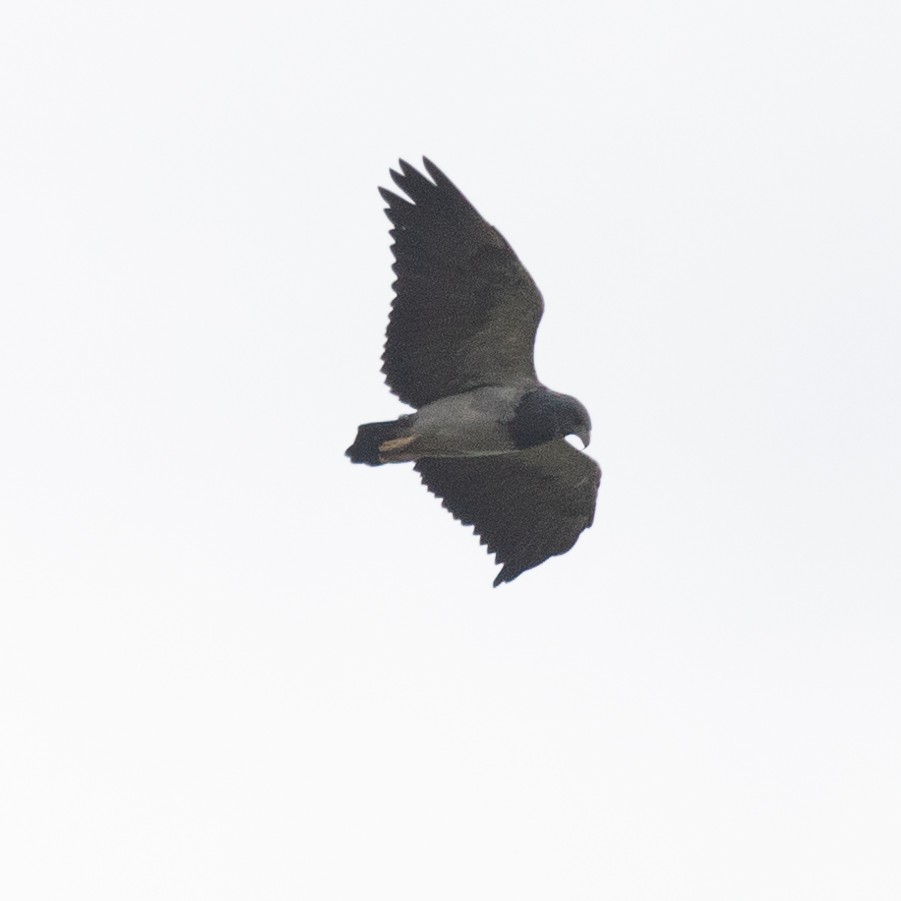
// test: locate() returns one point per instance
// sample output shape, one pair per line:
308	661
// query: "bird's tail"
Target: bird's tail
382	442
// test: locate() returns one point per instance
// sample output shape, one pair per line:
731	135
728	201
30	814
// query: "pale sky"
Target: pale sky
234	666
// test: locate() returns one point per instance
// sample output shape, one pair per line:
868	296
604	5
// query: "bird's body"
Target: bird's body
487	436
466	425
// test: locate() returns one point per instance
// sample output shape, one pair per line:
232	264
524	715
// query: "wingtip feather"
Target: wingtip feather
437	175
389	197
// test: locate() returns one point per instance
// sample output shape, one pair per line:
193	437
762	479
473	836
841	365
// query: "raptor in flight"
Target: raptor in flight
486	436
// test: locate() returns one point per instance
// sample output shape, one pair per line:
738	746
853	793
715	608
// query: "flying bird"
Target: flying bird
487	437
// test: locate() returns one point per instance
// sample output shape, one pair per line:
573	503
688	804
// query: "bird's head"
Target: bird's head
544	415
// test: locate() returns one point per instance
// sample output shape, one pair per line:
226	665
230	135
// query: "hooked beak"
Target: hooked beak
584	435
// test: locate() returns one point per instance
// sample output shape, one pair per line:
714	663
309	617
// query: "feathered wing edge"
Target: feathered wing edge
465	310
525	506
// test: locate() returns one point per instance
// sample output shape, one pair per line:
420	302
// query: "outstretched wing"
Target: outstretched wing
526	506
465	311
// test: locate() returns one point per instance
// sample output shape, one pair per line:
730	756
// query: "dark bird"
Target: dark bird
487	437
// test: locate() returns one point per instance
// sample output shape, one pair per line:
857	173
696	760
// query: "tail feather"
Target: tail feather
370	436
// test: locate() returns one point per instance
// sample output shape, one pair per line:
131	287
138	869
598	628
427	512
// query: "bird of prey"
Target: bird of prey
487	437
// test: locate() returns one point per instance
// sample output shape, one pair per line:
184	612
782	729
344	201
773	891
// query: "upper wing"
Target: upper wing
526	506
466	311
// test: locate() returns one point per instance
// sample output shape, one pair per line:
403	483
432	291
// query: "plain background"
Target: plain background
234	666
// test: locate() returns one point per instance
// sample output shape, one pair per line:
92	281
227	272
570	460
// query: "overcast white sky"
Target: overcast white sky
234	666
